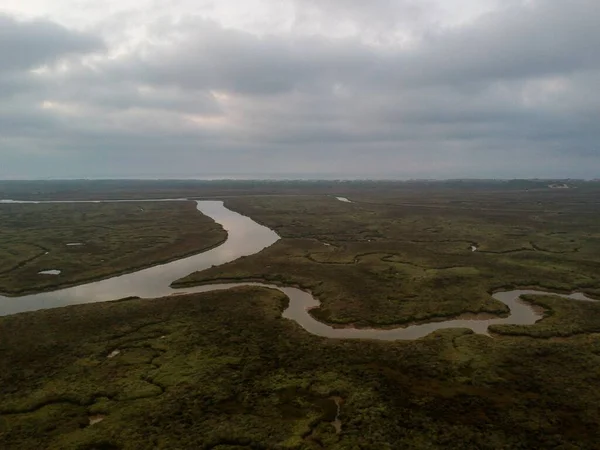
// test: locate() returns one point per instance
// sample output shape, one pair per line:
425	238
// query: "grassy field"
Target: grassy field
387	259
144	189
224	371
116	237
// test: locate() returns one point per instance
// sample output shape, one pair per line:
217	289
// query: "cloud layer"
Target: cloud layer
381	89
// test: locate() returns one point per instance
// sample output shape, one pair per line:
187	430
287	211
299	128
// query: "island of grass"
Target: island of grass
90	241
404	257
223	370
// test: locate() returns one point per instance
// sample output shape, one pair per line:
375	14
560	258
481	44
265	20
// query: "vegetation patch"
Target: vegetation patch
119	237
224	370
562	318
403	257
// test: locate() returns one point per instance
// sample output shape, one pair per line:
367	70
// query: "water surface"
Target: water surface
50	272
246	237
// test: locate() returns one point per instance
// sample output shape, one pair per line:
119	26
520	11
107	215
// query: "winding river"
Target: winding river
246	237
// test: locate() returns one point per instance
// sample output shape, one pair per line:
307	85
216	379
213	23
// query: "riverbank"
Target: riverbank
116	238
393	263
223	369
247	238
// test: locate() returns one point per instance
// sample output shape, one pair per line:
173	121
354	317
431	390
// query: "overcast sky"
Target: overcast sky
299	88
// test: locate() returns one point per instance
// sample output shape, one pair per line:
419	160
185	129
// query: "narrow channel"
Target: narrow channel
246	237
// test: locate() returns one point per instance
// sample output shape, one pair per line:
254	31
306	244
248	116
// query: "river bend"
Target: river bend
246	237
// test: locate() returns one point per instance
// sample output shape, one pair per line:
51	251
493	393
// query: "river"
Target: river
246	237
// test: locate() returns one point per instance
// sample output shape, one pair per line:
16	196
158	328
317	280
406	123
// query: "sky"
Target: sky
299	89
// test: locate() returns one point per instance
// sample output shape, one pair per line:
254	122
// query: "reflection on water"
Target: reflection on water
50	272
343	199
246	237
301	302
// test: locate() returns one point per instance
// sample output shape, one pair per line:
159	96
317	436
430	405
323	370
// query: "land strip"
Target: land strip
112	238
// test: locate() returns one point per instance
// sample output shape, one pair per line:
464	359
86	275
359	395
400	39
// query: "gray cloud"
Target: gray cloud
374	15
29	44
211	57
513	93
514	43
518	42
